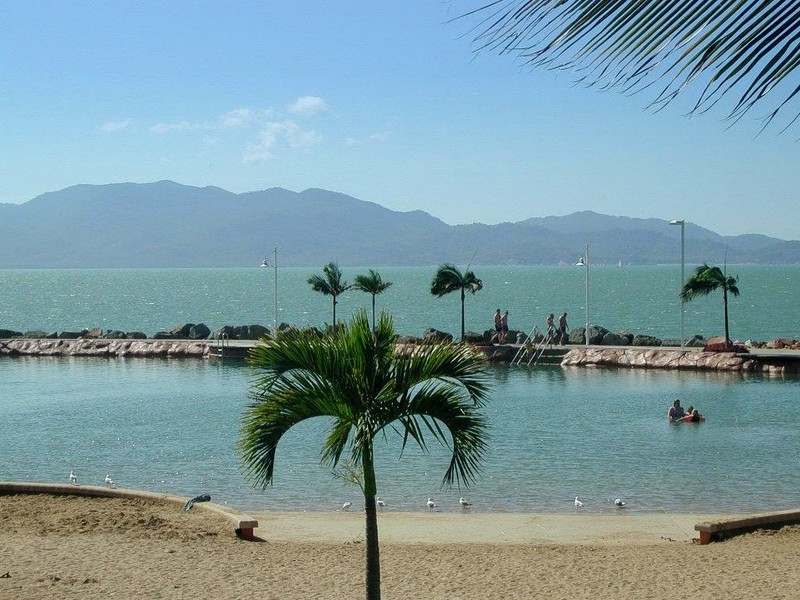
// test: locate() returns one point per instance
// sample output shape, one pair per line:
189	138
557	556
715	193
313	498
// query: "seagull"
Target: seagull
578	503
464	503
380	503
109	482
347	505
73	479
619	503
431	504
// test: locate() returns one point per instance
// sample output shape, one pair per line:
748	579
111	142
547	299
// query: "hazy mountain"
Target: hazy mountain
166	224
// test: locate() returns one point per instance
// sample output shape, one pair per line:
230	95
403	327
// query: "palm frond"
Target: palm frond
748	50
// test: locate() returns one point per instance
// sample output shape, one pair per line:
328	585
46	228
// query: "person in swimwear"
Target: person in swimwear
675	412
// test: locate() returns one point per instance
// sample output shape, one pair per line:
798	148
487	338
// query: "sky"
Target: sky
389	102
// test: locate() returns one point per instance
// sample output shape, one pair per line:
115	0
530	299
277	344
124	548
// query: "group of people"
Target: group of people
676	414
554	335
558	335
500	327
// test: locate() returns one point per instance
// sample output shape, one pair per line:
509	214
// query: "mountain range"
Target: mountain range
166	224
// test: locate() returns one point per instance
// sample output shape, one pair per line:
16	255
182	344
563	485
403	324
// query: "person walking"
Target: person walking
563	328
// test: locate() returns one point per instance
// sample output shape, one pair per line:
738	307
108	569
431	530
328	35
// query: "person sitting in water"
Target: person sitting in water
693	416
675	412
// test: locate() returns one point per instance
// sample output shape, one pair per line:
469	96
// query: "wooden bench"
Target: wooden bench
715	530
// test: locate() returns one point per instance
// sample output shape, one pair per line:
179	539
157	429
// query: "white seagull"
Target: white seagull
109	482
578	503
347	505
619	503
73	479
379	502
464	503
431	504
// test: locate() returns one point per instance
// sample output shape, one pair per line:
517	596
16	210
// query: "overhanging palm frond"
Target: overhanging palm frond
750	50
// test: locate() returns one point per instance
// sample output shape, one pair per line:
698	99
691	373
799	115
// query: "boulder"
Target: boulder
615	339
114	334
70	335
199	332
181	331
36	334
135	335
471	337
434	336
645	340
8	333
93	333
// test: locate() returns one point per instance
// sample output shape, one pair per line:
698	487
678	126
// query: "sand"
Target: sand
65	547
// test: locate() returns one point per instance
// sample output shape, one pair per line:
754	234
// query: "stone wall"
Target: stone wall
660	358
104	348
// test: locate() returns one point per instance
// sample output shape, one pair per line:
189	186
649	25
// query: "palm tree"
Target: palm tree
449	278
330	285
726	47
359	381
371	283
704	281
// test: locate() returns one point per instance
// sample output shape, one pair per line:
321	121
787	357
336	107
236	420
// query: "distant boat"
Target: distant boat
264	263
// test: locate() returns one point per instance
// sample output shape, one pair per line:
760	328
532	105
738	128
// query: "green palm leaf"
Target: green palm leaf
748	50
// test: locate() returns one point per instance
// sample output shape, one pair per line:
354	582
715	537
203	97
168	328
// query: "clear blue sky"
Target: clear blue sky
385	101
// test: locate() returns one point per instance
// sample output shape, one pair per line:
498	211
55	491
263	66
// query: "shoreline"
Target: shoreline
771	361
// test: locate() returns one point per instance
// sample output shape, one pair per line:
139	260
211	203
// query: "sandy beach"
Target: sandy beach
65	547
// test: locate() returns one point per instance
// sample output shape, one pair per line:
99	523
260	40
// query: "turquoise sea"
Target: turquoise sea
172	425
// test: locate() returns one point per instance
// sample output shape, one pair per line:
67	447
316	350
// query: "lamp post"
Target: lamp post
683	307
265	263
583	261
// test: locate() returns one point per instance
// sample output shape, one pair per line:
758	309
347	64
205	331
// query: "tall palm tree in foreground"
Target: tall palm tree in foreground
747	50
706	280
366	389
449	278
331	284
371	283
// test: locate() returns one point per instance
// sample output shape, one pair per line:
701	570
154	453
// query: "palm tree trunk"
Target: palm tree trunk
372	552
725	306
334	315
462	314
373	312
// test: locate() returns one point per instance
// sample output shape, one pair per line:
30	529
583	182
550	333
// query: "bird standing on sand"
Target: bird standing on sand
380	503
347	505
73	479
578	503
109	482
619	503
464	503
431	504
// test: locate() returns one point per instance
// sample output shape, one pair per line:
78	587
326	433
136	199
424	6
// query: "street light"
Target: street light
265	263
683	307
583	261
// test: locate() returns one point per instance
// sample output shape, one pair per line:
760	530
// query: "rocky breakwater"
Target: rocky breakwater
188	340
104	348
675	358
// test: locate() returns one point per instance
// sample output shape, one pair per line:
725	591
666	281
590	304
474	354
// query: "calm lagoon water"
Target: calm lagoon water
172	426
600	434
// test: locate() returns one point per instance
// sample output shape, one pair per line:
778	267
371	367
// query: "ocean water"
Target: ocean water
638	299
172	425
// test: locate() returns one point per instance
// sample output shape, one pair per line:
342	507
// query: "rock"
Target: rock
135	335
434	336
70	335
199	332
471	337
645	340
94	333
614	339
255	332
114	335
181	331
36	334
8	333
